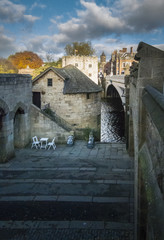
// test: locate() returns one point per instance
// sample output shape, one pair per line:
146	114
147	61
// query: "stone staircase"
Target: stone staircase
70	193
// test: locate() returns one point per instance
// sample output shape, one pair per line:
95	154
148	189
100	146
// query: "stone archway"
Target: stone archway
21	125
18	128
6	140
113	117
112	92
2	115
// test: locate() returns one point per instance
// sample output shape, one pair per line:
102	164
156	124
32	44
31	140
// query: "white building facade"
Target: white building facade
88	65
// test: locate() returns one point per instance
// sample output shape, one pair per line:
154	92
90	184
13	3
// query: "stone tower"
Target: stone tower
103	58
102	62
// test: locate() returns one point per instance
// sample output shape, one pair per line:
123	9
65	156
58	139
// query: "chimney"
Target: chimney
131	50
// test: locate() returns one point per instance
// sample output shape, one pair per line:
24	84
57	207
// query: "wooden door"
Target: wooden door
37	99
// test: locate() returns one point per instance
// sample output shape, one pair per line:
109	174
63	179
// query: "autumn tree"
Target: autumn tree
7	67
79	48
24	59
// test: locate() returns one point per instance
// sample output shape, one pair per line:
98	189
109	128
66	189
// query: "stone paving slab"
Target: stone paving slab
67	234
62	198
70	175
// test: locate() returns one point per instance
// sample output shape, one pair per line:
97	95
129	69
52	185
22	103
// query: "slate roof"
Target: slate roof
75	81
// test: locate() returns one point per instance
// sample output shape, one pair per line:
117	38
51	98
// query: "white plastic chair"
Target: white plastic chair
51	144
35	143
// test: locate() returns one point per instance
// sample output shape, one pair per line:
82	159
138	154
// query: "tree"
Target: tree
24	59
81	49
7	67
57	64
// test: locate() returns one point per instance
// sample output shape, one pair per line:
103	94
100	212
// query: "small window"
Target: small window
123	64
90	65
88	97
76	64
49	82
90	74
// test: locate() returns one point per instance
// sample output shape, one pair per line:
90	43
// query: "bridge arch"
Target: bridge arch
118	89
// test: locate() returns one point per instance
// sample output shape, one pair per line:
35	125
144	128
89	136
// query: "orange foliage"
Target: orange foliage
23	59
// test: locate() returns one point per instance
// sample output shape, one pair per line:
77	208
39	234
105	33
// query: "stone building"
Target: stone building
102	63
121	61
71	95
26	70
87	64
15	102
145	139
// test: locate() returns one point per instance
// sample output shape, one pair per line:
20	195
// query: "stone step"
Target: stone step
66	181
66	210
46	162
65	225
66	198
60	231
68	173
62	188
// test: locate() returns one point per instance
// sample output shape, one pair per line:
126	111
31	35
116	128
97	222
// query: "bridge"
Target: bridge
115	87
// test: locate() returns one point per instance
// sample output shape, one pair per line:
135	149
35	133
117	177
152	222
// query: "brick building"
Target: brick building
121	61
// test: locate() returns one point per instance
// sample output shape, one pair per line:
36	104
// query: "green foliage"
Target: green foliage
23	59
57	64
7	67
79	48
49	112
87	131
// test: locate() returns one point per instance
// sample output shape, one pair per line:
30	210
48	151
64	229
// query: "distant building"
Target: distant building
102	62
87	64
26	70
121	61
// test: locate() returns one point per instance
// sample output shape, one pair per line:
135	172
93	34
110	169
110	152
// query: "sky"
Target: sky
45	27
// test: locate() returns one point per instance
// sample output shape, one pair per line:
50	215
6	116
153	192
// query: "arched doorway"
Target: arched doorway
19	128
6	140
2	114
112	117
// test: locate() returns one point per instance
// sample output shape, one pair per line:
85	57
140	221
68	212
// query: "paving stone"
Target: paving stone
87	225
75	198
101	178
45	198
16	198
110	199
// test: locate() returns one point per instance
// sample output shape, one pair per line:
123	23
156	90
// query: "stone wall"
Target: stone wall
79	110
145	126
43	126
88	65
15	101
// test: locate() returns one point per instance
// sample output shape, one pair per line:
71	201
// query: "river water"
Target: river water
112	120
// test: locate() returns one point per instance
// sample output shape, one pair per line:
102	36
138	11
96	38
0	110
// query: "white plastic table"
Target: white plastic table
43	142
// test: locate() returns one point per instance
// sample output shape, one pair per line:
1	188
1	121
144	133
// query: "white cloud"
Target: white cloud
93	22
142	15
10	12
7	44
31	18
112	40
124	17
38	5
